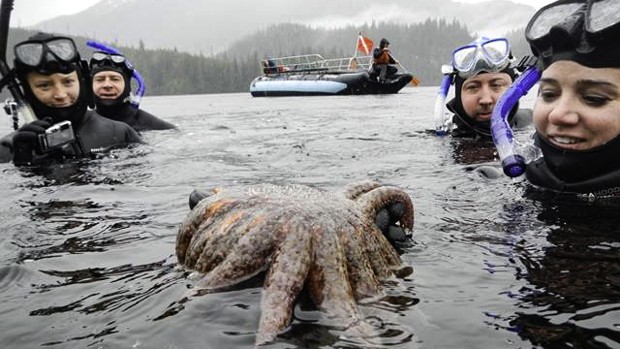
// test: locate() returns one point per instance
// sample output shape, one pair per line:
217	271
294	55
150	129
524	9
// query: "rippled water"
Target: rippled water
87	250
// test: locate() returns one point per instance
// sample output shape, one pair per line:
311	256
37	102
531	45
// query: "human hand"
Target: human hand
26	141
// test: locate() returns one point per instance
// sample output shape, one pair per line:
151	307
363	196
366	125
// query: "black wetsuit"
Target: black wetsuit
94	134
596	171
139	119
539	174
468	127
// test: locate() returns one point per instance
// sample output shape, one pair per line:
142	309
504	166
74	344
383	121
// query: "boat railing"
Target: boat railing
314	63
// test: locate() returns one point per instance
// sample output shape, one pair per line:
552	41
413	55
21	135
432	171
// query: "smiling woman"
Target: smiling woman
576	112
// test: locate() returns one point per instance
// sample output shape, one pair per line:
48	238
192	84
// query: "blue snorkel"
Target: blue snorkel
513	163
443	120
135	100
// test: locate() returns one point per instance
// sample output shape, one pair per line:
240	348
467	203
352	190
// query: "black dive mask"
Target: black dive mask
573	166
46	54
584	31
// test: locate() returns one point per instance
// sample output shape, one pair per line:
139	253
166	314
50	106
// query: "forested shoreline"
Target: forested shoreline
422	48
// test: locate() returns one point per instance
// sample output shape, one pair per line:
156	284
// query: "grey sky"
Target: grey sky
29	12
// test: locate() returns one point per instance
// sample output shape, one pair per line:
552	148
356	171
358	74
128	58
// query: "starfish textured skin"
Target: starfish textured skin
303	237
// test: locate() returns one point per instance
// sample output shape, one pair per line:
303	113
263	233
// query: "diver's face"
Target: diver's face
57	90
479	94
578	107
108	84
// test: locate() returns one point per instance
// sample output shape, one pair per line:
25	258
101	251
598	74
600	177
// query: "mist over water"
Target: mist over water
87	249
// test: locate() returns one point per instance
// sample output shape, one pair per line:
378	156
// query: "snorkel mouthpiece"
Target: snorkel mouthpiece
513	165
512	162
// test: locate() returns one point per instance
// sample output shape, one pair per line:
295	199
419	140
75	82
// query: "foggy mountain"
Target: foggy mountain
209	27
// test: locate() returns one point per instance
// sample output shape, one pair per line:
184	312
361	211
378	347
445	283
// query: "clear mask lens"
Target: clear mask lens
100	57
491	55
63	49
497	51
603	14
29	54
464	57
117	58
550	17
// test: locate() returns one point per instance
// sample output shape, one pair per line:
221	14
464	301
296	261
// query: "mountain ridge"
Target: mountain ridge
195	26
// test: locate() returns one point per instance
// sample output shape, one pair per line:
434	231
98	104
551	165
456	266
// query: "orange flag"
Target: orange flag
364	44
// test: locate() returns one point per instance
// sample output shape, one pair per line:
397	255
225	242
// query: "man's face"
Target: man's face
479	94
108	84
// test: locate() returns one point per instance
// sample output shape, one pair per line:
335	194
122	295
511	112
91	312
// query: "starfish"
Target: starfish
303	237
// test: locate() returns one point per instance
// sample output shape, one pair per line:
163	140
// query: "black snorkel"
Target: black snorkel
8	80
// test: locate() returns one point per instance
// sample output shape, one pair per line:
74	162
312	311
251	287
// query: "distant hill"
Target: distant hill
422	48
210	27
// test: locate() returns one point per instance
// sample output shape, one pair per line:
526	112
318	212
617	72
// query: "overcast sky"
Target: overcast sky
28	12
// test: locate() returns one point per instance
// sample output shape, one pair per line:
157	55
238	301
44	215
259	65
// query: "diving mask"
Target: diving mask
102	57
40	54
584	31
483	54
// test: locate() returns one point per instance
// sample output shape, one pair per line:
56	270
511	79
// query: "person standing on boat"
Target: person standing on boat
54	81
382	61
481	72
111	77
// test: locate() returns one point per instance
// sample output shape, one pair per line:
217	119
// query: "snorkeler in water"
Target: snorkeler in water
55	83
111	79
480	72
577	111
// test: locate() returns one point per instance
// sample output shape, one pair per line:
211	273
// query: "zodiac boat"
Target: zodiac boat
308	75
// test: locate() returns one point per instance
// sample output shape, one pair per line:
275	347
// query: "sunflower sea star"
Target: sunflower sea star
303	236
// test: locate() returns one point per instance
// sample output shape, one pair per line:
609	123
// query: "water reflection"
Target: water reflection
88	249
469	151
575	280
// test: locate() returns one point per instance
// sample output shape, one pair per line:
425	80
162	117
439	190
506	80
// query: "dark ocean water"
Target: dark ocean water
87	249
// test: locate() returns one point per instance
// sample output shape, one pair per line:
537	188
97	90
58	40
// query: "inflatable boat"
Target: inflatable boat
311	75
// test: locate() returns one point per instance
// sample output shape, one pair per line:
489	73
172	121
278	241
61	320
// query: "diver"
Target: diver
382	62
111	78
577	111
481	71
55	83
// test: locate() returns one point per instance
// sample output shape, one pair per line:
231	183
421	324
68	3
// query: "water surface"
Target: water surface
87	249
